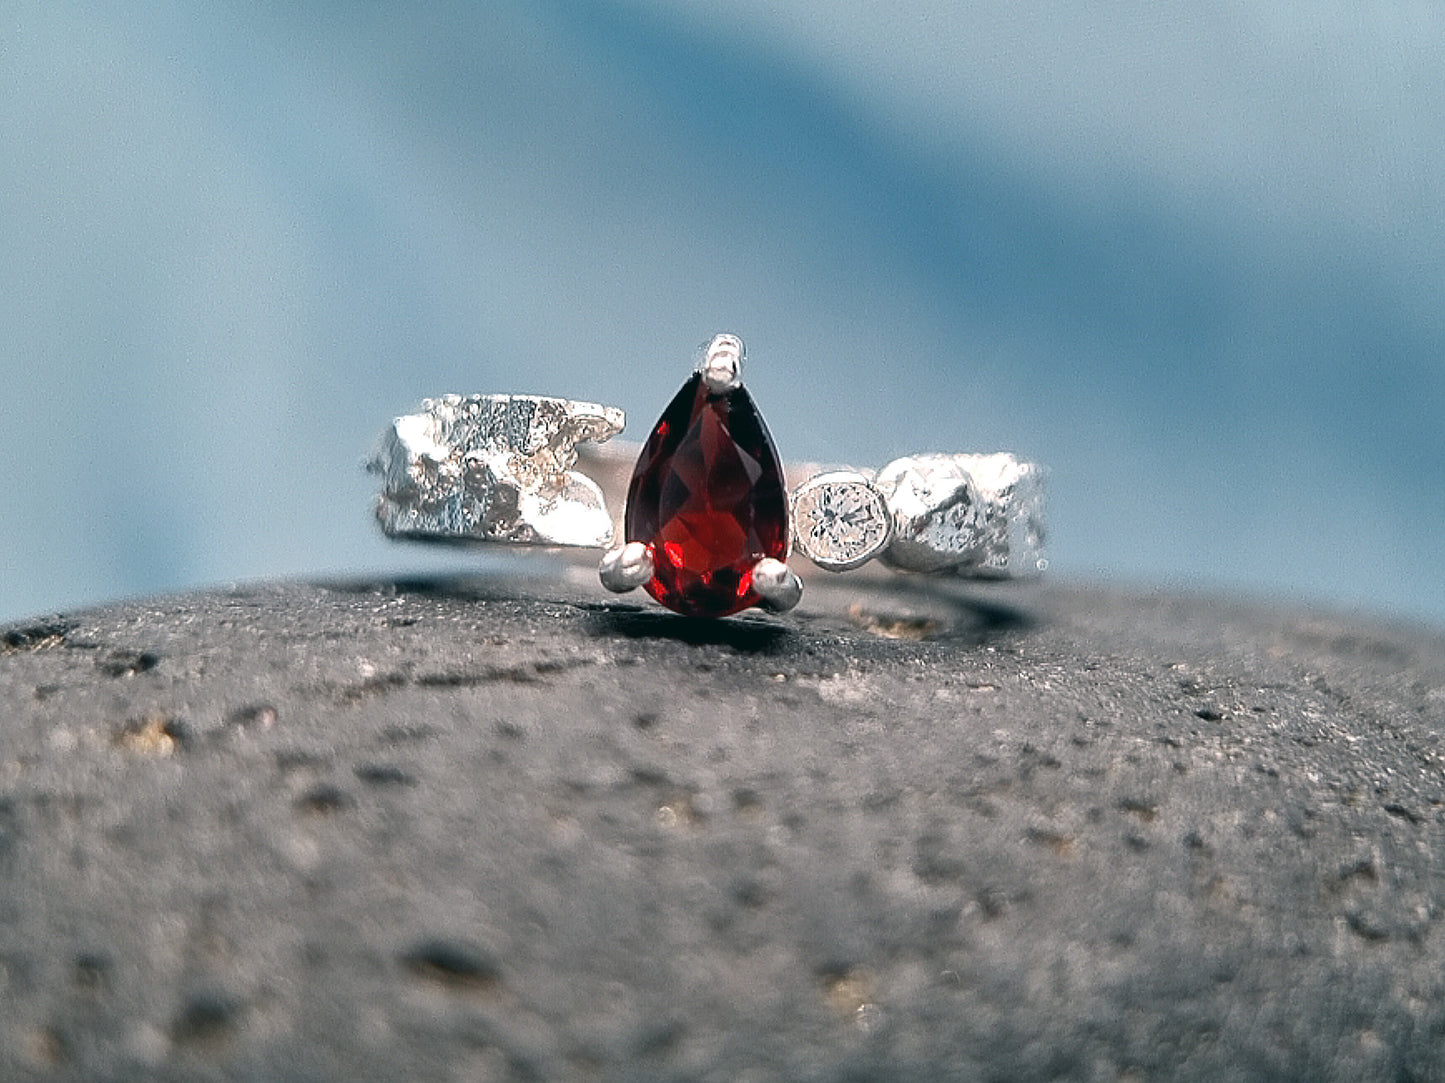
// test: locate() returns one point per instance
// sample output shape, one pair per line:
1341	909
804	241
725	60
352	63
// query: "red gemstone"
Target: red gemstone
707	499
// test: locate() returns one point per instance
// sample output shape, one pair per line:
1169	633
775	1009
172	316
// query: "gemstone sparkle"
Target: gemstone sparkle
708	500
840	521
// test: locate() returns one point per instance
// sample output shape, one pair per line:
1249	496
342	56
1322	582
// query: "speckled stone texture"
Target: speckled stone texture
507	828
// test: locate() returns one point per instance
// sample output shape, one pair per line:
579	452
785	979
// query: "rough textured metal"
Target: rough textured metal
919	829
494	468
1012	545
975	515
840	521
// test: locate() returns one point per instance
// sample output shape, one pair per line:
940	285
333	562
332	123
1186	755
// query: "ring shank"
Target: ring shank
1003	537
529	470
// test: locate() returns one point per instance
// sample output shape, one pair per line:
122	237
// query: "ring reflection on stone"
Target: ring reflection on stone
708	521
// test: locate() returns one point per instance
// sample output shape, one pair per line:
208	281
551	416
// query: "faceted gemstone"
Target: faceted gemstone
707	499
840	521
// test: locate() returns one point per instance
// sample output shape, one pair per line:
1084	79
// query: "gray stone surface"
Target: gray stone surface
508	828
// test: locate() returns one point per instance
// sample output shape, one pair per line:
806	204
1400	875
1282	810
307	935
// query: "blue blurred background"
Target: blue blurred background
1191	256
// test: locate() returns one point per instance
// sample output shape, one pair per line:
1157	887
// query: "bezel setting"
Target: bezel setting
840	520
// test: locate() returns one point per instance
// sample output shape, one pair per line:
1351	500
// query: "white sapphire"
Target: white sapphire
840	521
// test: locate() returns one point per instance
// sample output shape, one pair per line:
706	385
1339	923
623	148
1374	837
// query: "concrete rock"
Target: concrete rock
509	828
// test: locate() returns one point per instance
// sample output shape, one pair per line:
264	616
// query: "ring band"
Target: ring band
978	516
528	470
710	517
494	468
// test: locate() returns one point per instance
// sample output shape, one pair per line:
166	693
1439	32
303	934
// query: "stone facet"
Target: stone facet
708	500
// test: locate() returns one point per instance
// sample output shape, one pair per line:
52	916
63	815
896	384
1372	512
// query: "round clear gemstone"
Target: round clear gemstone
840	520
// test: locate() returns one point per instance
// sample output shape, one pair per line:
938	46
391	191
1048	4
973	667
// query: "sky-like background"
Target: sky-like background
1191	256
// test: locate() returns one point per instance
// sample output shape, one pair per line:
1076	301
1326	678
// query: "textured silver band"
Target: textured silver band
501	469
494	468
980	516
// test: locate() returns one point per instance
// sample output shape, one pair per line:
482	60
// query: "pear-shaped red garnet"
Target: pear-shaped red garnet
707	499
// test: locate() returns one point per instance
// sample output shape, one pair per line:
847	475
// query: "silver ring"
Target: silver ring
528	470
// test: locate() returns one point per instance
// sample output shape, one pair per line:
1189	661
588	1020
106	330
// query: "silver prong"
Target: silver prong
722	364
776	584
625	568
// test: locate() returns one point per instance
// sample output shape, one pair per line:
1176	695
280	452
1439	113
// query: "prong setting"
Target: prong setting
722	364
777	585
625	568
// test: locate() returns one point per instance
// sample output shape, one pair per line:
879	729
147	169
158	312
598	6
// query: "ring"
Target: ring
709	519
